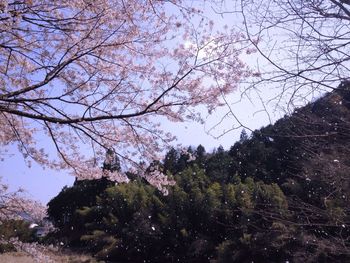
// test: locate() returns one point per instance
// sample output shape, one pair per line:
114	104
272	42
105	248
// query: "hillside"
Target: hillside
281	195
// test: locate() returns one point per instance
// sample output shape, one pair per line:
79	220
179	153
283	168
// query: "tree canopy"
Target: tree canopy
102	74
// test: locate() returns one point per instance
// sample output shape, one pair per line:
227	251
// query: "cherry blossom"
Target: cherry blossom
92	76
37	251
14	204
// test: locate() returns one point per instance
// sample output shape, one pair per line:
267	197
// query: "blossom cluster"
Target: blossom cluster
14	204
91	77
37	251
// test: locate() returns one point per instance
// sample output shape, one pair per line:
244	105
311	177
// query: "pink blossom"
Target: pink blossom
91	77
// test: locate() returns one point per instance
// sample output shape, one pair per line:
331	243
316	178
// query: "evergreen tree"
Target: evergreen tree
244	136
200	156
170	161
111	162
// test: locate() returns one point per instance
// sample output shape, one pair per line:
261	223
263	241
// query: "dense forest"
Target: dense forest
280	194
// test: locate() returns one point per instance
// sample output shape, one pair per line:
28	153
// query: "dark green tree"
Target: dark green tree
244	136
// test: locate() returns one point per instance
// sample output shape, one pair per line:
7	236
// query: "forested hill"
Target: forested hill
311	144
280	195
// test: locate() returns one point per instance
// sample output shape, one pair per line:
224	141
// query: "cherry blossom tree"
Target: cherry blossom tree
101	75
14	204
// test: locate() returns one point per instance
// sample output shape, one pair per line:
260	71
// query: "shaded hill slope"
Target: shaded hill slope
280	195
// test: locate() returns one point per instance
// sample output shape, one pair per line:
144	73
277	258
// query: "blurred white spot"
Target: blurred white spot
32	225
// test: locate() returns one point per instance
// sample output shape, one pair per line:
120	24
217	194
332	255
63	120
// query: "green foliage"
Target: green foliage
335	210
244	136
7	247
224	252
16	228
134	221
273	197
